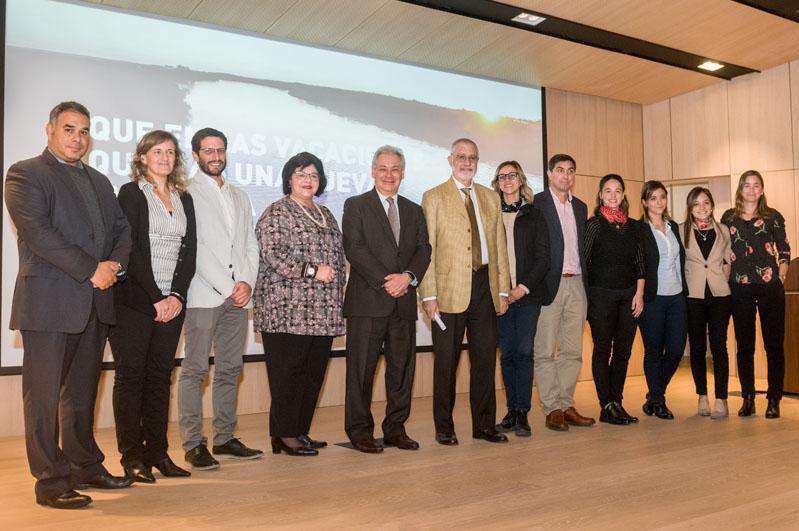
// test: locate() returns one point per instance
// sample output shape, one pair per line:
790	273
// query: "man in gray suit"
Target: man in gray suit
385	240
73	242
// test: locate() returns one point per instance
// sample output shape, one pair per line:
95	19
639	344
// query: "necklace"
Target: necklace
703	233
305	211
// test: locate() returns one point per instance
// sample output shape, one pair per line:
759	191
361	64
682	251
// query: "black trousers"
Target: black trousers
709	318
613	331
769	301
480	323
144	355
366	337
59	387
295	365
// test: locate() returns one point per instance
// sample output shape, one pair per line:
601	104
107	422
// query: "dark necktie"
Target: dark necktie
477	252
393	218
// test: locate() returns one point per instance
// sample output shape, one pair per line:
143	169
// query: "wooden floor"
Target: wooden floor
692	472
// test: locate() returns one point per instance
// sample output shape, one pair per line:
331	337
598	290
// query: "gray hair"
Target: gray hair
66	106
463	141
392	150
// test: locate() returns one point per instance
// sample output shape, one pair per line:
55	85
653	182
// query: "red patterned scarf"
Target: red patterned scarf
613	215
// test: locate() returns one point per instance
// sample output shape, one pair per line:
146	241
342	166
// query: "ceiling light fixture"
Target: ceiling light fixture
710	66
526	18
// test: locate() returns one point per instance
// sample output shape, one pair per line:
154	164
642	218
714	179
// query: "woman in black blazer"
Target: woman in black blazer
150	303
528	254
663	323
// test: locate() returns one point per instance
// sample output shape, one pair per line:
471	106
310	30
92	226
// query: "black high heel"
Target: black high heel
311	443
279	446
748	407
139	472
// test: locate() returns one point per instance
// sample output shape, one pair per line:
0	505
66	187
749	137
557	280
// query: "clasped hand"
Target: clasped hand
396	284
167	309
105	275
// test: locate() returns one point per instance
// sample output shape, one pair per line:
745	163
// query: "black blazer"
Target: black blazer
545	292
531	245
139	290
55	239
373	253
652	258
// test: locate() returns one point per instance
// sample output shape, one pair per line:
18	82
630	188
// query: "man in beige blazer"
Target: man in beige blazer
465	288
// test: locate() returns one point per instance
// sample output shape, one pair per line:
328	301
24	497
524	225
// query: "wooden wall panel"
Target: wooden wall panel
781	194
700	133
656	136
760	122
625	140
794	75
587	140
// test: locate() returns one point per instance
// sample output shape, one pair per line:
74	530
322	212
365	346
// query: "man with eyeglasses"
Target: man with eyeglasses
216	309
465	289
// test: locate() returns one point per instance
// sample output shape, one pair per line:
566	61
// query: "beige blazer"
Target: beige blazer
698	270
449	276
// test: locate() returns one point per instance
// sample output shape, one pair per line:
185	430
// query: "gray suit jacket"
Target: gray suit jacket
373	253
56	246
545	292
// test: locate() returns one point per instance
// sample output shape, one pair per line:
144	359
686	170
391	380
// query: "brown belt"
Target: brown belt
569	275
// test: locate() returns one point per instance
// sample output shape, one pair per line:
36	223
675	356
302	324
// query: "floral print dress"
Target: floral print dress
759	246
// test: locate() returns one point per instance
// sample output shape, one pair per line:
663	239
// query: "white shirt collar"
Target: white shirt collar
210	180
384	197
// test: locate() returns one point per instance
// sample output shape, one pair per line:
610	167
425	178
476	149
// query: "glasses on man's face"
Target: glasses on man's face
210	151
306	176
460	157
510	176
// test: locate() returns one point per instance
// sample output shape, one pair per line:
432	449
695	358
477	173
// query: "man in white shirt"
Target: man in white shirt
219	296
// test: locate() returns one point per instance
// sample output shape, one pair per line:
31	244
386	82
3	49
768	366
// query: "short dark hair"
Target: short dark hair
203	133
65	106
560	157
299	161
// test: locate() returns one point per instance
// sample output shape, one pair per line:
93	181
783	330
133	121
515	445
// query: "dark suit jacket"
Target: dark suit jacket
652	259
139	290
53	292
531	246
373	253
545	292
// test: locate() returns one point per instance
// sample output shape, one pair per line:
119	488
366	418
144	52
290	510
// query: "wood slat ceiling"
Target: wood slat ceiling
720	29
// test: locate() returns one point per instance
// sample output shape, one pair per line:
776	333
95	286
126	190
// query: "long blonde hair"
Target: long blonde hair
138	171
762	207
524	190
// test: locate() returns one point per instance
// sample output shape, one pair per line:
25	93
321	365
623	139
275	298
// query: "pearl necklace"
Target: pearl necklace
323	224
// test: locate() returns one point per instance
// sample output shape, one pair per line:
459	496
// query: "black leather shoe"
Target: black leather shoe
490	435
748	407
235	449
200	459
107	481
630	418
648	408
310	443
446	438
279	446
368	446
169	469
773	409
401	441
508	423
522	426
662	412
67	500
612	414
139	472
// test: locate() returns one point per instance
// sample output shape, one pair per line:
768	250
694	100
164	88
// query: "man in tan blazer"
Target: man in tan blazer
465	288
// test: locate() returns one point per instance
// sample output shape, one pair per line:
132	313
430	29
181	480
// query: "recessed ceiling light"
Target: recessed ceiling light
710	66
526	18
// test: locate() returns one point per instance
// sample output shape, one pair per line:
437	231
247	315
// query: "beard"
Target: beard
204	166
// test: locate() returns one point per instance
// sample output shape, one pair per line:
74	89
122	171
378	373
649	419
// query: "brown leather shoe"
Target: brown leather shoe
367	446
555	421
571	416
446	438
401	441
490	435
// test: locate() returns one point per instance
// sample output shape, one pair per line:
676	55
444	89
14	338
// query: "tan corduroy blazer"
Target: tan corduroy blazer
698	270
449	276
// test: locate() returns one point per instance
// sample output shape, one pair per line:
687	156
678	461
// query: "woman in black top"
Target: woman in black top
615	266
759	260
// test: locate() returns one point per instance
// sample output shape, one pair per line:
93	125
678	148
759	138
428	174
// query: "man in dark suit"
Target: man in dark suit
385	240
559	337
73	242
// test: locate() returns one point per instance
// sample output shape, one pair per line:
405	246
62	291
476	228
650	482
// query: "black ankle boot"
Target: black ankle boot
522	426
773	409
508	423
612	414
748	407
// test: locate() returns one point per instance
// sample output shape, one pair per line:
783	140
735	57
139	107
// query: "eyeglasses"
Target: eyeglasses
510	176
460	157
211	151
304	176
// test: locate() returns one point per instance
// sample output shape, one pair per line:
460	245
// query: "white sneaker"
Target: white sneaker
720	409
704	406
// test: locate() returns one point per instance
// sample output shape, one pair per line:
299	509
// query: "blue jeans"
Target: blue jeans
664	327
516	331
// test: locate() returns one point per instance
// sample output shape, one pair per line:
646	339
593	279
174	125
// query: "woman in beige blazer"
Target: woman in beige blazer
707	272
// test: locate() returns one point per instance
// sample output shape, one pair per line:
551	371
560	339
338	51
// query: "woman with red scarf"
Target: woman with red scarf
615	266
